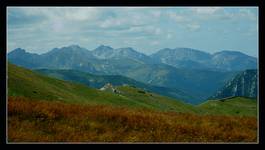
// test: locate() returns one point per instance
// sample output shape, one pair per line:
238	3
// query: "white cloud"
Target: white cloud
243	13
113	22
126	20
206	10
151	30
177	17
64	13
82	14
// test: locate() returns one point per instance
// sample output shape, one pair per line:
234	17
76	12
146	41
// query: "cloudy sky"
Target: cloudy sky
211	29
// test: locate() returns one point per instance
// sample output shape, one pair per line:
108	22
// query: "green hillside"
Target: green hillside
155	100
98	81
23	82
239	106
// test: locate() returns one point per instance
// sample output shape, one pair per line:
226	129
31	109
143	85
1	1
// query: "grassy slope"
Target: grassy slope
234	106
155	100
98	81
23	82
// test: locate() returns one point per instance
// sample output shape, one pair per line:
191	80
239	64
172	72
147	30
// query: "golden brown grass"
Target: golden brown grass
43	121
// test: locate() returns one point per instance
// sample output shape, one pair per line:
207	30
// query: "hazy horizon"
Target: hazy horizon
124	47
147	30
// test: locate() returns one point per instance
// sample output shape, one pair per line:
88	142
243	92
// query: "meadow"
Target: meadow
31	120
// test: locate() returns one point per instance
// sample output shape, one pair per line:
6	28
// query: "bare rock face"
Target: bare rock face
244	84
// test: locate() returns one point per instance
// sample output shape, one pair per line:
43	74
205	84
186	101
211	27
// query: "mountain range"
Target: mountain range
196	59
75	56
182	69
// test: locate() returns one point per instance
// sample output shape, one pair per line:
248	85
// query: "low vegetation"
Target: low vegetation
237	106
31	120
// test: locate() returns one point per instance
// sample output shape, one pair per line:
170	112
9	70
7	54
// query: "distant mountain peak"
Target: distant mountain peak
230	52
192	50
127	49
103	47
69	50
18	50
225	60
73	46
181	50
184	48
103	52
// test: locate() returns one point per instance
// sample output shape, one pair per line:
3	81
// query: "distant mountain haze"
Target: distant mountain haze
189	70
107	52
195	59
232	60
186	58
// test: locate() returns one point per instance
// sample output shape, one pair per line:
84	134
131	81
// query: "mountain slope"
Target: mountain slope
232	60
196	59
200	84
182	58
69	57
107	52
103	52
23	82
22	58
239	106
153	99
98	81
244	84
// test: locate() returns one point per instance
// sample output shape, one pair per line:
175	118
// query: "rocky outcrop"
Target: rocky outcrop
244	84
110	88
